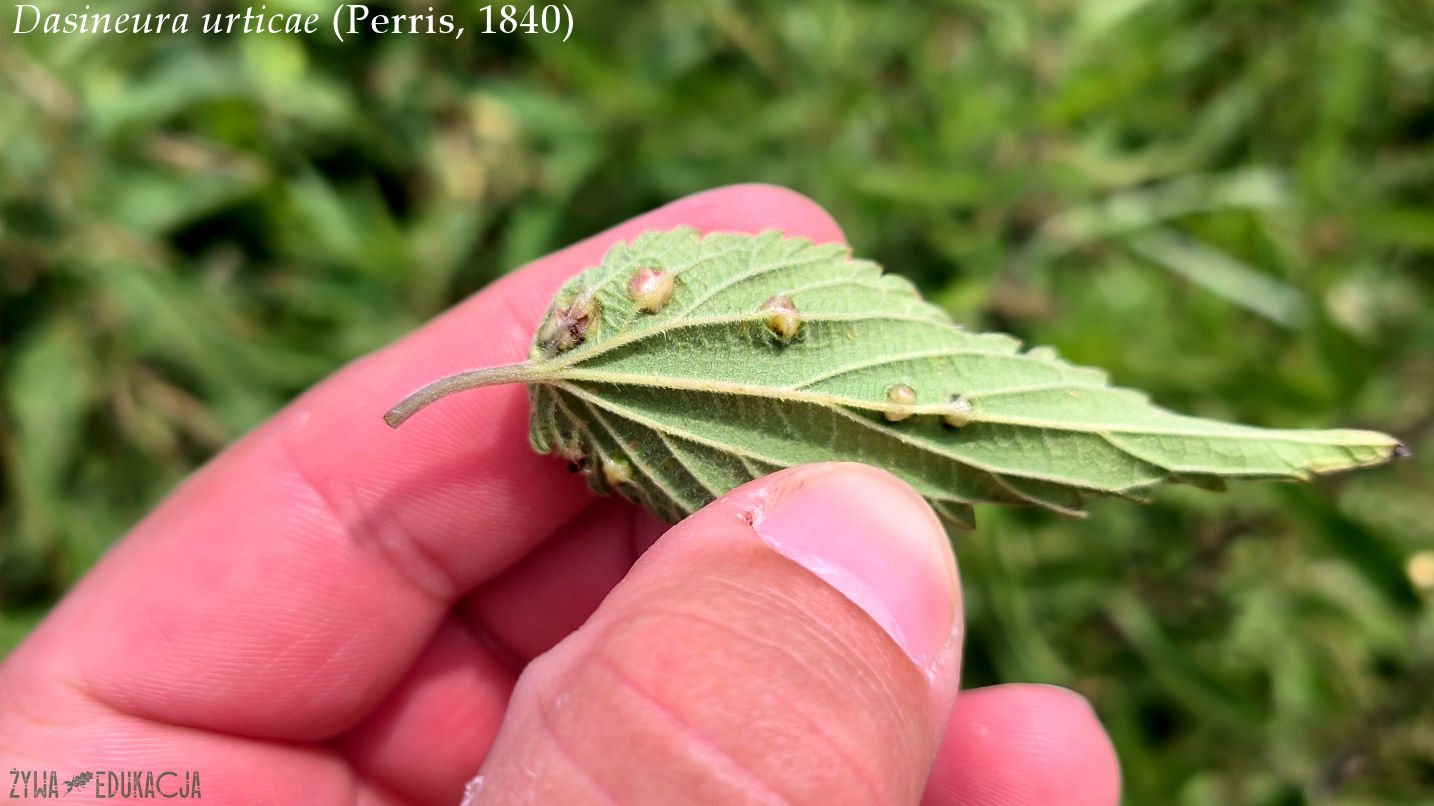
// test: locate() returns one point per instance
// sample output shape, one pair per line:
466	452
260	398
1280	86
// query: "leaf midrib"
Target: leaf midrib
788	394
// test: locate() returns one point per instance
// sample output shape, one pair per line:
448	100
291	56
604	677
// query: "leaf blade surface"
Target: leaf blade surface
711	390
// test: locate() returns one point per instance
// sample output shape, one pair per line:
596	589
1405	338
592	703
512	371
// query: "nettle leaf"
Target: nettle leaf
684	366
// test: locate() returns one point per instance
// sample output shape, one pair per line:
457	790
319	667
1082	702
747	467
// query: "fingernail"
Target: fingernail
874	539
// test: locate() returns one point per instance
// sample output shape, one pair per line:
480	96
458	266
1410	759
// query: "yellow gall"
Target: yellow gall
617	470
782	317
958	411
1420	570
651	289
902	398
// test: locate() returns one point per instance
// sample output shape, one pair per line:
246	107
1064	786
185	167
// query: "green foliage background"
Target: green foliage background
1229	203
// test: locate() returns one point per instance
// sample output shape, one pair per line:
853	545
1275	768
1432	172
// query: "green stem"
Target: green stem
443	387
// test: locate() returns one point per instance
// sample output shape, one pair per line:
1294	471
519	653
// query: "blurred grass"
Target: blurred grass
1229	203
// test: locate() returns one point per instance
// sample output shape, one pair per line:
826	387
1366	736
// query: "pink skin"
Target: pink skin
331	603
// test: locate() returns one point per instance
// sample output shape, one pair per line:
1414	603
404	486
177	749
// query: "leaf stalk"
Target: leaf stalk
523	372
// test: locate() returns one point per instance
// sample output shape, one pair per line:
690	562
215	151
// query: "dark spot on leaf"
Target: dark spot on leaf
569	325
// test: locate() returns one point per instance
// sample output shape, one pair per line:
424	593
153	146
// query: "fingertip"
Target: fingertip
436	724
749	208
1024	745
753	207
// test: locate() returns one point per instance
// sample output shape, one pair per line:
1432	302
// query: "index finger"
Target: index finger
287	585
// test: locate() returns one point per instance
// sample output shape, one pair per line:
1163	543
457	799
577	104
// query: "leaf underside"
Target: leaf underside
703	395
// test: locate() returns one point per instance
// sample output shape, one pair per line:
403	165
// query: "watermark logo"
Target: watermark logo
130	784
78	782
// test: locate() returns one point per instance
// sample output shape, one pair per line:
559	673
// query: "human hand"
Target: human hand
332	612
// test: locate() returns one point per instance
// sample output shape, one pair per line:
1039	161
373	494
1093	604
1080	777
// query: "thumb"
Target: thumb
795	642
